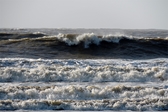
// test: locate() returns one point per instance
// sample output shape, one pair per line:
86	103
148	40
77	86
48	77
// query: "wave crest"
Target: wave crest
88	38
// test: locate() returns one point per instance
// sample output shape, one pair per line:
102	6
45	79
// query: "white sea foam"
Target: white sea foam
83	97
123	104
83	70
80	92
110	84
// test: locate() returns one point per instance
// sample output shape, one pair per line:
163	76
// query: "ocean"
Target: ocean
83	70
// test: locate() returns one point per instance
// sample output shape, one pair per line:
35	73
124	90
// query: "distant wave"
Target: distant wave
90	44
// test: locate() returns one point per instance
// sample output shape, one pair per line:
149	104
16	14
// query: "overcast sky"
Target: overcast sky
125	14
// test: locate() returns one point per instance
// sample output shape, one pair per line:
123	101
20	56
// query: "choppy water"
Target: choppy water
83	69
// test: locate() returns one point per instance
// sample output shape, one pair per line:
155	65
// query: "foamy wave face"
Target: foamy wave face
83	71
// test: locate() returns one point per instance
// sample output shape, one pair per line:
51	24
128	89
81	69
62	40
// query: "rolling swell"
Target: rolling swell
6	36
82	46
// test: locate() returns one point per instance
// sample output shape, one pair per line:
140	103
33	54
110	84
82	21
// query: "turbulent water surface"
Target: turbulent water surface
83	69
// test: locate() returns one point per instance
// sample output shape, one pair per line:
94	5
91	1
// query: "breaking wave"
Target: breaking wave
91	38
75	39
87	45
